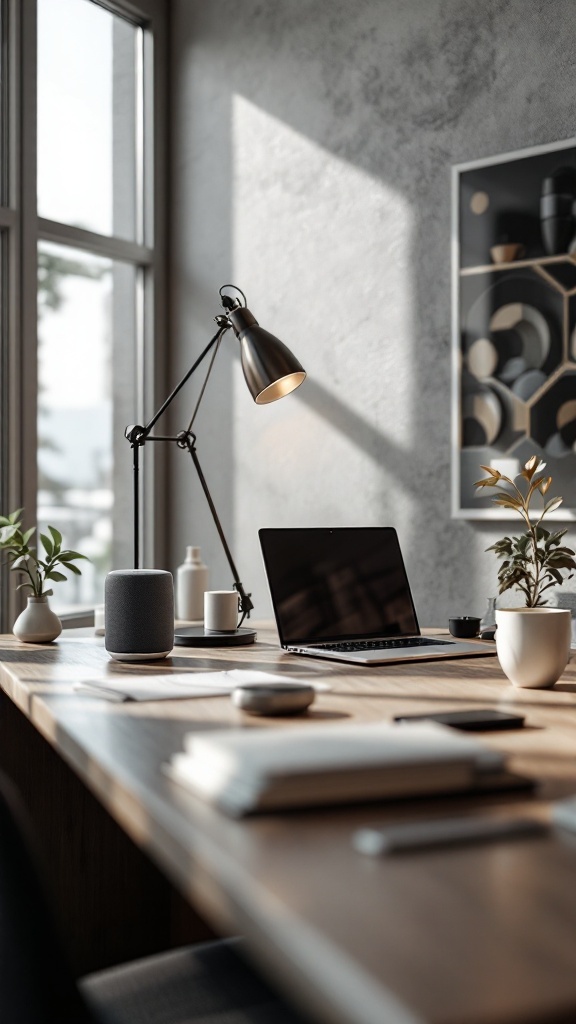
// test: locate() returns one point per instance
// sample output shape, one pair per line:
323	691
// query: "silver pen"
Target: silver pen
97	690
382	840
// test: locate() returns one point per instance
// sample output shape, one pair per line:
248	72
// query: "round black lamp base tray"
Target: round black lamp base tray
197	636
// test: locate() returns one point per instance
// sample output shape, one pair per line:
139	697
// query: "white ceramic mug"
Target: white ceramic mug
221	610
99	620
533	644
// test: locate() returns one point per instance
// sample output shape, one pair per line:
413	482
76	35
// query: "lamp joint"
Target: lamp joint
136	435
246	603
186	439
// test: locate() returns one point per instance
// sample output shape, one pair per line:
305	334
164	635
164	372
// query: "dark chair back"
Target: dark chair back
36	984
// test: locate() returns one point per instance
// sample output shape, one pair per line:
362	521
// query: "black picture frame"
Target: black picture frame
514	322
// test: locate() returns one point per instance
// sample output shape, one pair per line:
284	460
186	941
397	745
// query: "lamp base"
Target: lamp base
197	636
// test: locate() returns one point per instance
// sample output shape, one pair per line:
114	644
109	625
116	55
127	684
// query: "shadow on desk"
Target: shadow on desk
114	903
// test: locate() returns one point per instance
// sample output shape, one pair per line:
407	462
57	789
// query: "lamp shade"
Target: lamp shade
270	368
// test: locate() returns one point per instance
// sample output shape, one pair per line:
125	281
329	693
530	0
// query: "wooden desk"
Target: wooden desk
478	935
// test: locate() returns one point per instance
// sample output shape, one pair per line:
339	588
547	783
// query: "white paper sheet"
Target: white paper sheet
181	685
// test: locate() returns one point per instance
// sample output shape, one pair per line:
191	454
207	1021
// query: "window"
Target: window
7	252
87	376
80	218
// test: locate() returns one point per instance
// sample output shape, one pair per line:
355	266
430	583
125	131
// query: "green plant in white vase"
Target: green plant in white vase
536	560
37	623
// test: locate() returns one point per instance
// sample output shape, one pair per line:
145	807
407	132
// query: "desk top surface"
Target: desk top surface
473	935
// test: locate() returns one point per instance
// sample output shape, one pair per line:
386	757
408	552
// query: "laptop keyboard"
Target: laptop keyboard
385	645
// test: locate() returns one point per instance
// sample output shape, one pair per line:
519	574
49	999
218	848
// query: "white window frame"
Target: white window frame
21	231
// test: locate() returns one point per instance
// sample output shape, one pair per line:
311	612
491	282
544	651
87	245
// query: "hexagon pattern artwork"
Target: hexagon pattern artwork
515	331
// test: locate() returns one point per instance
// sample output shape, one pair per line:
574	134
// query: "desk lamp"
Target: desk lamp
271	371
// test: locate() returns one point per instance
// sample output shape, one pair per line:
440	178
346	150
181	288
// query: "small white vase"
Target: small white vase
533	644
37	624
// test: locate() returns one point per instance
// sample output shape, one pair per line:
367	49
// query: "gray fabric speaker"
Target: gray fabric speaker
139	614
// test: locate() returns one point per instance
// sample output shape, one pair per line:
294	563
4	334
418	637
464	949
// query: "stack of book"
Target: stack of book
253	769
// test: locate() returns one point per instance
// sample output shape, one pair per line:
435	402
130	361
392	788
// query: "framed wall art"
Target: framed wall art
514	322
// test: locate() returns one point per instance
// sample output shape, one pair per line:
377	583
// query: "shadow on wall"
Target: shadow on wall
358	430
399	90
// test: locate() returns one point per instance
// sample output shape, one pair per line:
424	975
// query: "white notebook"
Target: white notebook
256	769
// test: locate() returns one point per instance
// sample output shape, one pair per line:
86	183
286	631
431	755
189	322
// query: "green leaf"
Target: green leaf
74	568
7	534
555	539
28	534
48	545
66	555
561	562
15	516
58	577
548	585
19	562
502	547
56	535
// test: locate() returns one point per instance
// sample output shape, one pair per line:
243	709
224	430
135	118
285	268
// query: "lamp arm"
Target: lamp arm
188	440
136	503
223	325
138	435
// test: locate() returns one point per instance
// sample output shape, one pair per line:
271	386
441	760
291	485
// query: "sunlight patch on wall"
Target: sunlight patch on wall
322	250
311	228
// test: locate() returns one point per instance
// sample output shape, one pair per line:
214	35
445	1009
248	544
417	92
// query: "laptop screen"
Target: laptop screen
337	584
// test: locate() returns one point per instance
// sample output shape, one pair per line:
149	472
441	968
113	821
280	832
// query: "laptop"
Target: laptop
343	594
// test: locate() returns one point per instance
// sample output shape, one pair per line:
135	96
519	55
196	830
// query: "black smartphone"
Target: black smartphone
477	720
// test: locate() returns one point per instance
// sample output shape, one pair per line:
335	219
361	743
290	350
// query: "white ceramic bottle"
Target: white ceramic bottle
191	582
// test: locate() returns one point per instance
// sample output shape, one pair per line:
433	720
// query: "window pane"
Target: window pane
87	117
3	354
4	510
3	106
87	374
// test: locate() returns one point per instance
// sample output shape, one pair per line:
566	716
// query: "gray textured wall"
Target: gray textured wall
311	165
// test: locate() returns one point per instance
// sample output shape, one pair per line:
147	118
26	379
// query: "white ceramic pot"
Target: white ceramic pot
533	644
37	624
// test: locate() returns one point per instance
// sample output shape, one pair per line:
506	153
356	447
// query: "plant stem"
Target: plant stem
534	538
36	582
525	512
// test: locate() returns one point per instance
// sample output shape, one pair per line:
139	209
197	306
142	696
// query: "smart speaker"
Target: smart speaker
139	614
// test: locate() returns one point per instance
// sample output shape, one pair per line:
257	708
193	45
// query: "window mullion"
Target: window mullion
91	241
21	232
18	223
27	369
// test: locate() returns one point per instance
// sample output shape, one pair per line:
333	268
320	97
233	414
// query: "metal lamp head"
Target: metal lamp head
270	368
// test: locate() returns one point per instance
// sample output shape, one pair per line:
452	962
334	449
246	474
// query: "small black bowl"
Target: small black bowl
465	627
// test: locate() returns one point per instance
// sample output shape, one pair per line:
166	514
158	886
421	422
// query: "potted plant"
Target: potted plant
533	642
37	623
